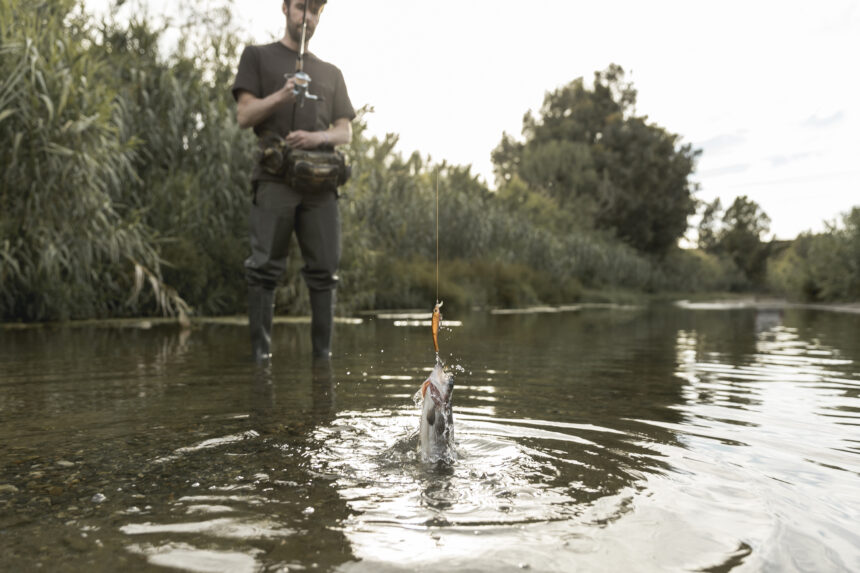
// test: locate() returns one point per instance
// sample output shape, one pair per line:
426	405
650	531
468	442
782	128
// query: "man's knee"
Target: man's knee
263	277
320	279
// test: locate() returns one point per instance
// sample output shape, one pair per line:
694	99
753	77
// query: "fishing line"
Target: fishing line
437	235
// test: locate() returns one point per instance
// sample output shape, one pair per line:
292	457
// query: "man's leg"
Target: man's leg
318	231
322	321
271	223
261	310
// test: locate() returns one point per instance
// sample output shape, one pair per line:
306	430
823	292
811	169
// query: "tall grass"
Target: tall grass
192	162
67	248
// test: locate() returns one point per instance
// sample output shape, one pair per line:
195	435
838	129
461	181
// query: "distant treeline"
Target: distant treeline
125	189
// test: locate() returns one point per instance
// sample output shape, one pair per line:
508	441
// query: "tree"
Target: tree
709	225
589	143
739	236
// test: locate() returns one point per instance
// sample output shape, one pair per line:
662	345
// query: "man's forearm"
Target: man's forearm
340	133
251	111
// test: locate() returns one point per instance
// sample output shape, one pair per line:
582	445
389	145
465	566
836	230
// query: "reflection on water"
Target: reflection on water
593	439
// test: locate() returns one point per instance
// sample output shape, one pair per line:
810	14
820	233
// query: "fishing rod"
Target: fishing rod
301	78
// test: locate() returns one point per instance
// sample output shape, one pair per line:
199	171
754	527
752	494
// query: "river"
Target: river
596	439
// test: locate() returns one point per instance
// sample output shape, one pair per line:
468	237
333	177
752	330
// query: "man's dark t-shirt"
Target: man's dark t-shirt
261	73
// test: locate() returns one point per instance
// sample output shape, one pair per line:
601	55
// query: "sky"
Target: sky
768	90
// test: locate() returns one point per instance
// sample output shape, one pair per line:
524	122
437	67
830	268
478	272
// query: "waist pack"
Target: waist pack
305	169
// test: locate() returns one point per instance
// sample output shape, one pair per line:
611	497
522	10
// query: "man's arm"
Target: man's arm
251	110
340	133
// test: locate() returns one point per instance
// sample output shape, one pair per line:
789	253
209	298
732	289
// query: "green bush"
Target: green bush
823	267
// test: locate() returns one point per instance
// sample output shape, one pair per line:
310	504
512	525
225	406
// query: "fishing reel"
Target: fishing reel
301	87
302	80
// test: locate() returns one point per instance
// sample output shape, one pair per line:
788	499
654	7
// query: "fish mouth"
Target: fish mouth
435	395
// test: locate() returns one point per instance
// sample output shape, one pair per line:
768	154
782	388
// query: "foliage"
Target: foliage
709	225
67	248
697	270
192	162
486	239
736	235
589	152
126	168
823	267
125	190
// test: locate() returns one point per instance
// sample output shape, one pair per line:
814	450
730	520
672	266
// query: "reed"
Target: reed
67	247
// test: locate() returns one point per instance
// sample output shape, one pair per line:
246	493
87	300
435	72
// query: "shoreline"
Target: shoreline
768	304
716	304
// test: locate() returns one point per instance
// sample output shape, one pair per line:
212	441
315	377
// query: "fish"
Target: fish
436	429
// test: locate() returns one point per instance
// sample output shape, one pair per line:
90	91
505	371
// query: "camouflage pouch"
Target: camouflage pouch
316	169
273	155
303	169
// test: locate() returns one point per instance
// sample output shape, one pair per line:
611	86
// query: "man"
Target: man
268	102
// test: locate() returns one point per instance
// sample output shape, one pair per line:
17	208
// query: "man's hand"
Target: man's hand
251	111
287	94
301	139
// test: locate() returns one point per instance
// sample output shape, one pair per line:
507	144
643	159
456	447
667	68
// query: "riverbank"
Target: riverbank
767	304
623	301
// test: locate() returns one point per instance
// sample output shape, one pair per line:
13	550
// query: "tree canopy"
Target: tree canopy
738	234
589	151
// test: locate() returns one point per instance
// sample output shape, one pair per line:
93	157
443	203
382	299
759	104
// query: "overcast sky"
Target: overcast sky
769	90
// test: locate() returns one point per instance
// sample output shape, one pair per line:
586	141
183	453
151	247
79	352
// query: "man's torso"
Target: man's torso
262	71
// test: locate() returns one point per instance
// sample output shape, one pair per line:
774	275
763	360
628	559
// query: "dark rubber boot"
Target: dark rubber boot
261	309
322	321
322	390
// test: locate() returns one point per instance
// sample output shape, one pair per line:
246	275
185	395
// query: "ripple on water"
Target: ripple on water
664	445
190	558
497	477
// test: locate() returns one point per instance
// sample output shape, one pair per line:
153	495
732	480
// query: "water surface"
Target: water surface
658	439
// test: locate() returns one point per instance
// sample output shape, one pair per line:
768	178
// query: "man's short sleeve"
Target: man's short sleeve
342	104
248	74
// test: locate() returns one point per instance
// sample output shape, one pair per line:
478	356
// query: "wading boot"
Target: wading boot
261	309
322	390
322	320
